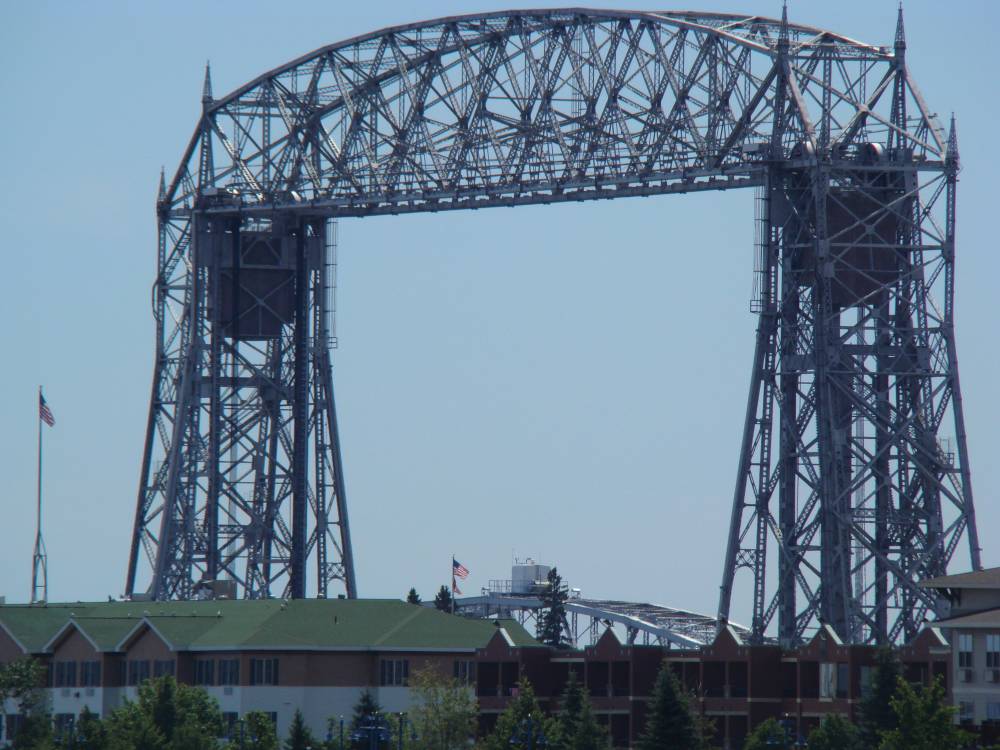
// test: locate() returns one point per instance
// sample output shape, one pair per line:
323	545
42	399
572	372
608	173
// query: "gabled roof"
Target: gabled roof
826	631
33	625
272	624
987	578
63	633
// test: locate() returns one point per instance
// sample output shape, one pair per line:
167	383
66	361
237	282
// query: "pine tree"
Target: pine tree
299	736
923	720
670	722
577	726
522	725
413	597
442	600
550	626
365	707
877	716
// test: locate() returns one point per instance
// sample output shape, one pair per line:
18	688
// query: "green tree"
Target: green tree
670	720
35	732
20	682
444	712
299	736
130	728
923	720
522	724
877	716
442	599
768	735
550	626
166	716
365	706
412	597
835	733
577	727
258	733
89	732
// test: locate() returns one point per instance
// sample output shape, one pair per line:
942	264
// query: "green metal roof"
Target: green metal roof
300	624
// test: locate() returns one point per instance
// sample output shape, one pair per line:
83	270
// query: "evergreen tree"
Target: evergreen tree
522	725
923	720
550	626
835	733
577	727
670	719
768	735
413	597
877	716
442	600
365	707
299	736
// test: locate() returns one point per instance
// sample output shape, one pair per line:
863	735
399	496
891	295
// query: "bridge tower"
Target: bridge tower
250	485
844	472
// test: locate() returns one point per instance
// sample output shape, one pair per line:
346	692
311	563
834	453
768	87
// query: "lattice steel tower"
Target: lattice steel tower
854	370
250	486
853	481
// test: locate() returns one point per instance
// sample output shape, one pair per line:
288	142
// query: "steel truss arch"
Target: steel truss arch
855	377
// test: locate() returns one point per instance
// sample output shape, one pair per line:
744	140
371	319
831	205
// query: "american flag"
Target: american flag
458	569
44	412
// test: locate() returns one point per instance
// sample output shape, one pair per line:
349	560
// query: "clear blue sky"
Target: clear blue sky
567	382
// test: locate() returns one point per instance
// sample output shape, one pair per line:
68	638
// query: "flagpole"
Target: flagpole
453	583
38	559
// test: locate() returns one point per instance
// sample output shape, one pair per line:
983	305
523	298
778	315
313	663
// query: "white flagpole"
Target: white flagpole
38	561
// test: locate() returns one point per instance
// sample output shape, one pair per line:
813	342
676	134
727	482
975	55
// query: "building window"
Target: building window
229	671
204	671
65	674
827	680
842	680
263	671
966	711
465	671
163	668
394	672
138	671
993	711
993	650
965	650
90	674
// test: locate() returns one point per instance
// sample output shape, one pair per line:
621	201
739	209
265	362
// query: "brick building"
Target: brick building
319	655
737	685
270	655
